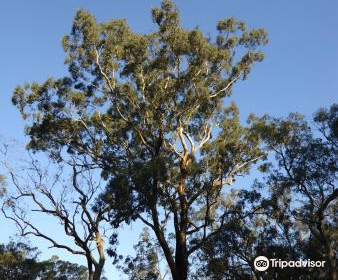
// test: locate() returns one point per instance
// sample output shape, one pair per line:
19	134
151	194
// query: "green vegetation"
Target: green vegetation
148	116
18	261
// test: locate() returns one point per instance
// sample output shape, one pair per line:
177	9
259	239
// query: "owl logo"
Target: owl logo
261	263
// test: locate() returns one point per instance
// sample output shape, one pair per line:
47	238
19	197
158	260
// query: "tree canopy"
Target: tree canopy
19	261
299	198
150	112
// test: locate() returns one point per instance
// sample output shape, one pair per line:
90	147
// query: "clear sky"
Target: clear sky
299	72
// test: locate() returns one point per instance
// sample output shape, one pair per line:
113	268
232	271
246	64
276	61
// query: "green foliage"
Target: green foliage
143	108
292	214
57	269
18	261
157	77
149	110
307	168
3	185
145	265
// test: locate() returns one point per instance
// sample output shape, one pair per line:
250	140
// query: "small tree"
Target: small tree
146	264
150	111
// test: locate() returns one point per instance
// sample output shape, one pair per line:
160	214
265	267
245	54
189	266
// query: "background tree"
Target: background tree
146	264
298	200
271	232
57	269
307	168
149	111
66	194
19	261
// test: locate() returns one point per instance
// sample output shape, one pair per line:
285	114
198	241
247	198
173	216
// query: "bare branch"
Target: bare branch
225	88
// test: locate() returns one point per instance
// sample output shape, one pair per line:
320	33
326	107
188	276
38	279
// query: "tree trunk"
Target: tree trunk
181	254
98	271
97	274
332	259
90	267
181	258
181	270
100	248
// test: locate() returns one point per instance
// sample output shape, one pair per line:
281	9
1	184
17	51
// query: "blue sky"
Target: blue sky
299	72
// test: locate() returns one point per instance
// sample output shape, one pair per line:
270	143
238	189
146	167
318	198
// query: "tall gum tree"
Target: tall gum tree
149	111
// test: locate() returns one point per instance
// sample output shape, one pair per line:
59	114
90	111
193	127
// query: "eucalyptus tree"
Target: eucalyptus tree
145	265
305	169
273	234
151	111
